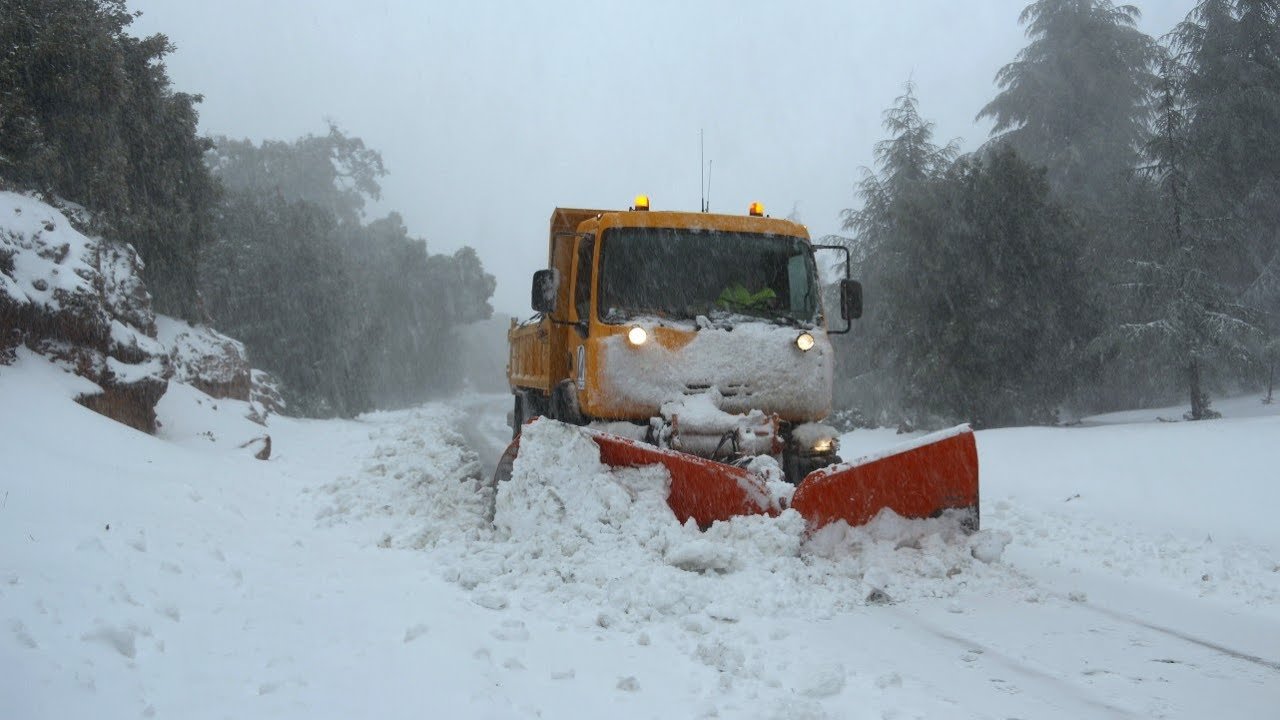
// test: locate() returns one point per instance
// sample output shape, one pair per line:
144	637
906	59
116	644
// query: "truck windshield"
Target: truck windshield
681	274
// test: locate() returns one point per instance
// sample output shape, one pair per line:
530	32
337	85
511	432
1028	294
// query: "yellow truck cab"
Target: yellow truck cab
697	331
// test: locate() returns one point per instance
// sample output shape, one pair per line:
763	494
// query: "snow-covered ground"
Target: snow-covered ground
1129	568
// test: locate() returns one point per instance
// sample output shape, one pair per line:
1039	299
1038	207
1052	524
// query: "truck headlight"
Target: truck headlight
824	446
637	336
805	342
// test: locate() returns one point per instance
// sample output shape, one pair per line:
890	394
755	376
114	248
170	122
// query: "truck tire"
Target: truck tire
528	405
564	404
517	415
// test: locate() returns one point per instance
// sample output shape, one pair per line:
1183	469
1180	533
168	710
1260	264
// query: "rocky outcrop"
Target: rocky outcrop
265	392
82	302
206	359
218	366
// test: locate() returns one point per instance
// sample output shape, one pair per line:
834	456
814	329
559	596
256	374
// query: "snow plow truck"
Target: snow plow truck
699	342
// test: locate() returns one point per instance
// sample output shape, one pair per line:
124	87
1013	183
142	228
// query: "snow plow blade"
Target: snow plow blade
702	489
935	473
922	479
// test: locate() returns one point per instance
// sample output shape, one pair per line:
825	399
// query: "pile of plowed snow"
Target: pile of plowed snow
420	488
602	544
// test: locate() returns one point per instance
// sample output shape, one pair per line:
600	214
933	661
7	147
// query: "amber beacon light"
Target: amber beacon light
756	209
642	202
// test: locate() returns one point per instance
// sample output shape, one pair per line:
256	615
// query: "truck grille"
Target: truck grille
730	389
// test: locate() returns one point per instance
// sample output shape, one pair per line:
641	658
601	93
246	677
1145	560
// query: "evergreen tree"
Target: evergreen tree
1190	324
1074	99
893	216
1270	361
409	305
1000	306
971	274
1231	53
1177	314
87	113
332	171
1168	148
1231	50
274	279
887	227
380	313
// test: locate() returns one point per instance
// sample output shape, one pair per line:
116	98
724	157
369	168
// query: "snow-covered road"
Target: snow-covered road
484	426
353	575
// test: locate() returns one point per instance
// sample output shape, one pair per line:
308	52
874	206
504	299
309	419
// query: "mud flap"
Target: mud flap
935	473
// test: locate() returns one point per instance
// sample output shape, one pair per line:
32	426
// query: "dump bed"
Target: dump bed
529	362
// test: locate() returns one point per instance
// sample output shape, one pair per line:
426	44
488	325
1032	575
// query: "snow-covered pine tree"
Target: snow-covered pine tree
1073	99
1000	299
1176	312
972	272
1231	51
891	230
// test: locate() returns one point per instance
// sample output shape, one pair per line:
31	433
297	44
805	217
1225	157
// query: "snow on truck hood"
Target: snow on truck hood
751	366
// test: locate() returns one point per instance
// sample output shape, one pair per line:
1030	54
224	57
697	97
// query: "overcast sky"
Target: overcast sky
489	114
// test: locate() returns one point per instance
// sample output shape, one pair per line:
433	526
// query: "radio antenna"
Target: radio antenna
706	205
702	167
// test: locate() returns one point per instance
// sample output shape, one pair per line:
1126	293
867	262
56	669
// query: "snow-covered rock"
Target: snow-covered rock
265	392
81	301
205	358
218	365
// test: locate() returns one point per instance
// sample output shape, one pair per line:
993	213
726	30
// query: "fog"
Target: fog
490	114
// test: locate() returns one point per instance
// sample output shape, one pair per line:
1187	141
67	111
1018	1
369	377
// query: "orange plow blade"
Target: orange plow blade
920	480
702	489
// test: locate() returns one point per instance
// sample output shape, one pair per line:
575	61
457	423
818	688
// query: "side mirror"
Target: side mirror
546	285
850	299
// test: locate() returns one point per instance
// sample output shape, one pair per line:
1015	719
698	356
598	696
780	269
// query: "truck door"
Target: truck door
582	278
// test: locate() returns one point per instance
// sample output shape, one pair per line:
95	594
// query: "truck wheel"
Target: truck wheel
529	405
564	405
517	417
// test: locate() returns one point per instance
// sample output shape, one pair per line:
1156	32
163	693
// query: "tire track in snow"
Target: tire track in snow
1208	644
484	427
1057	682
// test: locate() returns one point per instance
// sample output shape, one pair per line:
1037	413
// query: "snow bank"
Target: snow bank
421	486
1181	506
